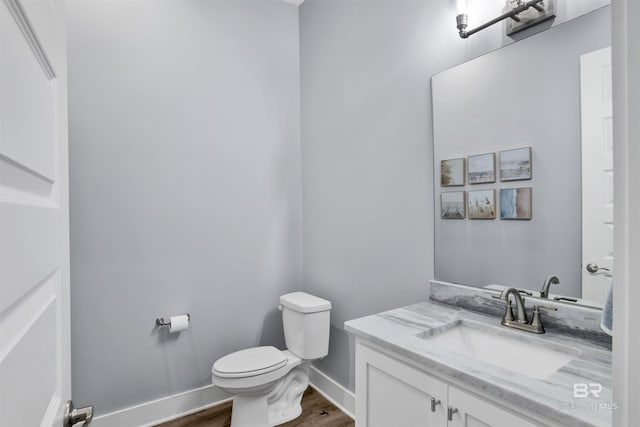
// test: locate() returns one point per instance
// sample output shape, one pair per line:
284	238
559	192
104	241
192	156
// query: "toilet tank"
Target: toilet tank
305	319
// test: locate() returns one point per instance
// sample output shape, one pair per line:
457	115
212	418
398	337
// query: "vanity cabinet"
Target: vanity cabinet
390	392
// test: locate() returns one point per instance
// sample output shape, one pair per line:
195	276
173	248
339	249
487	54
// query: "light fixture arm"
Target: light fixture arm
461	20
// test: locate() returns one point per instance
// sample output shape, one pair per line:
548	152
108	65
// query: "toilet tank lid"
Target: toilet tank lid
304	303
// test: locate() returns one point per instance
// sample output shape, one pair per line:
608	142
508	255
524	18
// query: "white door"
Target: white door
34	214
597	170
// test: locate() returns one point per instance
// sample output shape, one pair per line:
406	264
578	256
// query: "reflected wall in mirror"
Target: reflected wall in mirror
526	94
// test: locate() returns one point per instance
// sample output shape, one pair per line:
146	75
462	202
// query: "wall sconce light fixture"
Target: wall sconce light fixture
521	14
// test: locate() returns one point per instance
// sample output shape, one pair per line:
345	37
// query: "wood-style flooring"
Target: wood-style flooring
316	412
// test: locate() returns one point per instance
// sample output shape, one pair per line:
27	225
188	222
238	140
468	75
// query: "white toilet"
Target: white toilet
268	383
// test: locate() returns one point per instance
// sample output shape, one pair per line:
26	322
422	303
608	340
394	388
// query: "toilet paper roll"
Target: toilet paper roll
178	323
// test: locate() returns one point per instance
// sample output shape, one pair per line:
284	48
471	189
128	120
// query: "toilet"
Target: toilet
267	384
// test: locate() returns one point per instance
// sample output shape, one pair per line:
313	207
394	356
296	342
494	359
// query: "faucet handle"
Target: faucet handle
508	309
536	322
508	312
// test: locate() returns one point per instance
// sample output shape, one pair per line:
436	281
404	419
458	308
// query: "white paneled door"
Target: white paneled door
597	171
34	214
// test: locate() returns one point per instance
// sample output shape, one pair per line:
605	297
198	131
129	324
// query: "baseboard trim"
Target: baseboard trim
178	405
164	409
335	393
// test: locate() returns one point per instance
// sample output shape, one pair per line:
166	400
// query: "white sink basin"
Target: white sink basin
529	356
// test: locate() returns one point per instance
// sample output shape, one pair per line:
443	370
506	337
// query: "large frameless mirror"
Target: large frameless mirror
526	104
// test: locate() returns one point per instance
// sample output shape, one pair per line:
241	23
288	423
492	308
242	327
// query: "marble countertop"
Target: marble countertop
401	331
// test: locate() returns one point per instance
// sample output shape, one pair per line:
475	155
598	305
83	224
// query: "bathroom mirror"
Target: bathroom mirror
526	94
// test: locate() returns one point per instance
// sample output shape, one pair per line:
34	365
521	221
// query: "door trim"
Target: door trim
626	110
27	30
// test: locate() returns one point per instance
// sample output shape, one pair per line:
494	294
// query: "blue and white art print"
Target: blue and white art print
515	164
515	203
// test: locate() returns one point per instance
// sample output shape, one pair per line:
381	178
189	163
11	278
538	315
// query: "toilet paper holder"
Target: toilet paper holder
161	322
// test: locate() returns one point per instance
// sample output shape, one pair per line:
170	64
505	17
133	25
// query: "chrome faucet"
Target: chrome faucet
550	280
520	321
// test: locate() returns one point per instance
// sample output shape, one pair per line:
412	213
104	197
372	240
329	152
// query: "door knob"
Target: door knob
593	268
76	415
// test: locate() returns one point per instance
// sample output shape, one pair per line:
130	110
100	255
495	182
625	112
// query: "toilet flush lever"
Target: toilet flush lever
76	415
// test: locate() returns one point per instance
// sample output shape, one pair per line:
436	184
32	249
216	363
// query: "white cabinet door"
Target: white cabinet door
34	214
390	393
473	412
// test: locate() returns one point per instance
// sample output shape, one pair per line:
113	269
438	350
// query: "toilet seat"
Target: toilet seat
250	362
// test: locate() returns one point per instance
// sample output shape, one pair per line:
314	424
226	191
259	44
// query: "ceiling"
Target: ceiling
296	2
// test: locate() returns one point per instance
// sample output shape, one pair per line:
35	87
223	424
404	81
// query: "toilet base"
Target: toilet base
285	399
249	411
278	406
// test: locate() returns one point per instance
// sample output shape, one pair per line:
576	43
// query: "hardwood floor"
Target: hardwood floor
316	412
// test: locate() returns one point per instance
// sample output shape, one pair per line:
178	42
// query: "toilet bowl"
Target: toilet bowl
268	383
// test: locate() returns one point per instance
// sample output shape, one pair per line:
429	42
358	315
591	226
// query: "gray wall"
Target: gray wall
510	98
367	176
185	174
185	188
367	148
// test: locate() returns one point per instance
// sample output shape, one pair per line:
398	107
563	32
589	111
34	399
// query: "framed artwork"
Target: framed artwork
515	164
515	203
452	172
481	168
452	205
482	204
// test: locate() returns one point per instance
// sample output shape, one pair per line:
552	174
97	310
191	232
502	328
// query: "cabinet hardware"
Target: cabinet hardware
434	403
450	411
